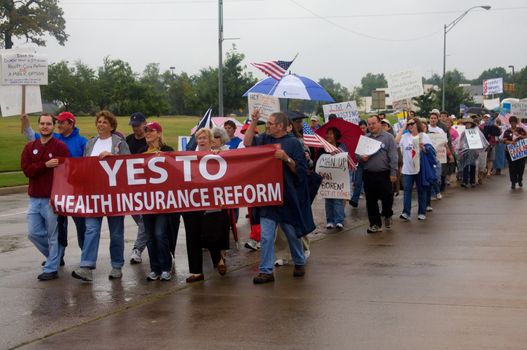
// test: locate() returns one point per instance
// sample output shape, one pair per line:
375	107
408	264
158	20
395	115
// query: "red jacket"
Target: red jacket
33	160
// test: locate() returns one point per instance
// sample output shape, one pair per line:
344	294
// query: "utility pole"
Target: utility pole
220	58
513	81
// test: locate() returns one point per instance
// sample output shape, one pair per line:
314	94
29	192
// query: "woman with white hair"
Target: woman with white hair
219	139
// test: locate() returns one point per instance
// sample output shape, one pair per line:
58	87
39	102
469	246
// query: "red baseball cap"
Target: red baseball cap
63	116
154	126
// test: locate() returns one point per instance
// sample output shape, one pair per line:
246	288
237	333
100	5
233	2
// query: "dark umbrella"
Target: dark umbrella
349	131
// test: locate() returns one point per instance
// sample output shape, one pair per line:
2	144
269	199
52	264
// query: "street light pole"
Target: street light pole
220	58
446	29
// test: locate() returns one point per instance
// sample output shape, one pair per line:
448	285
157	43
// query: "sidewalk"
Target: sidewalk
454	281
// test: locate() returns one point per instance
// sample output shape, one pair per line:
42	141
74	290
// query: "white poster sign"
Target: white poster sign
11	99
493	86
490	104
473	138
367	146
265	103
24	69
335	176
519	109
405	85
344	110
459	128
439	141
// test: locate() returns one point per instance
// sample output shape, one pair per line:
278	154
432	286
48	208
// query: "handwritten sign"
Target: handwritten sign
473	138
519	109
518	149
405	85
367	146
11	99
265	103
335	176
439	141
493	86
24	69
344	110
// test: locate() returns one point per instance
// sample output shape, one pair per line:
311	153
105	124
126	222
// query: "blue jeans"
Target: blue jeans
408	183
268	233
142	237
357	180
43	232
92	237
334	211
157	229
469	174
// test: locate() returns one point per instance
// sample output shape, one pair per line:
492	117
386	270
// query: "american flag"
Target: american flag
274	69
311	139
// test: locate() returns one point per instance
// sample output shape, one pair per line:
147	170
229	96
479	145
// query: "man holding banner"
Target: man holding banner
294	216
38	160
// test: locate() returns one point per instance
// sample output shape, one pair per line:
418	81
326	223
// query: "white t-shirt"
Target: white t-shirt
435	130
410	150
101	146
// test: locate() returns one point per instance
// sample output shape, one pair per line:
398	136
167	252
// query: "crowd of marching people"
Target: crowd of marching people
428	154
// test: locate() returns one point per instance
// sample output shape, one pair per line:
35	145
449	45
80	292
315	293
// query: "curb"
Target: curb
13	190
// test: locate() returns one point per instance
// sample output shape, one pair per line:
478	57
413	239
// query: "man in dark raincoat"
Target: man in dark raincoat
294	216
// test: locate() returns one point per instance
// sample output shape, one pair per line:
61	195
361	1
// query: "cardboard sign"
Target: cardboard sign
11	99
24	69
518	149
439	141
493	86
367	146
265	103
519	109
473	138
344	110
335	176
405	85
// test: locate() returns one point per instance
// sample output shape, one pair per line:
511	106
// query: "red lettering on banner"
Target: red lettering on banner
167	182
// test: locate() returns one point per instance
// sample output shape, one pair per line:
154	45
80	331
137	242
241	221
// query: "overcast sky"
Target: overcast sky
340	39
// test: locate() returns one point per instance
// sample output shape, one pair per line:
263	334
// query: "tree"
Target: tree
491	73
31	19
454	96
116	84
371	82
521	83
235	81
338	92
426	102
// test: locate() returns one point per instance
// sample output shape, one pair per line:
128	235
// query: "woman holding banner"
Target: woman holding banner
205	229
161	229
412	140
512	136
105	144
470	147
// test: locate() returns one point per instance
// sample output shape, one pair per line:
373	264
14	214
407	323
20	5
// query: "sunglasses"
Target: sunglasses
410	124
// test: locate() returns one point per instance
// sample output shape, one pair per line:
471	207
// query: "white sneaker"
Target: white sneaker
329	226
429	208
135	258
405	217
152	276
439	196
421	217
374	229
115	274
339	227
165	276
280	262
307	254
251	244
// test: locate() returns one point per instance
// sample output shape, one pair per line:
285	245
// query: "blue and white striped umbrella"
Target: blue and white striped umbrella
291	86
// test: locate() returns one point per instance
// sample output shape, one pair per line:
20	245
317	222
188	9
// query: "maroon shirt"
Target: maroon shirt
33	162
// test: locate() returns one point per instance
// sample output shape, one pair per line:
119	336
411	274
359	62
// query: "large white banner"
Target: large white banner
20	68
335	176
405	85
367	146
493	86
265	103
344	110
473	138
519	109
439	141
11	99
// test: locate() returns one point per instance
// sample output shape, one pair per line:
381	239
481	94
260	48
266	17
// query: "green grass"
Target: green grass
12	179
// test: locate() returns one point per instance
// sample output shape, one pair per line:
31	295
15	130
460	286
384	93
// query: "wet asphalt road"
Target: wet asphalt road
454	281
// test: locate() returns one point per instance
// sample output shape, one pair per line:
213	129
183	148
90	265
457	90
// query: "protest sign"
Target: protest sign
459	128
11	99
473	138
439	141
182	142
405	85
344	110
265	103
491	104
20	68
518	149
167	182
335	176
367	146
519	109
492	86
